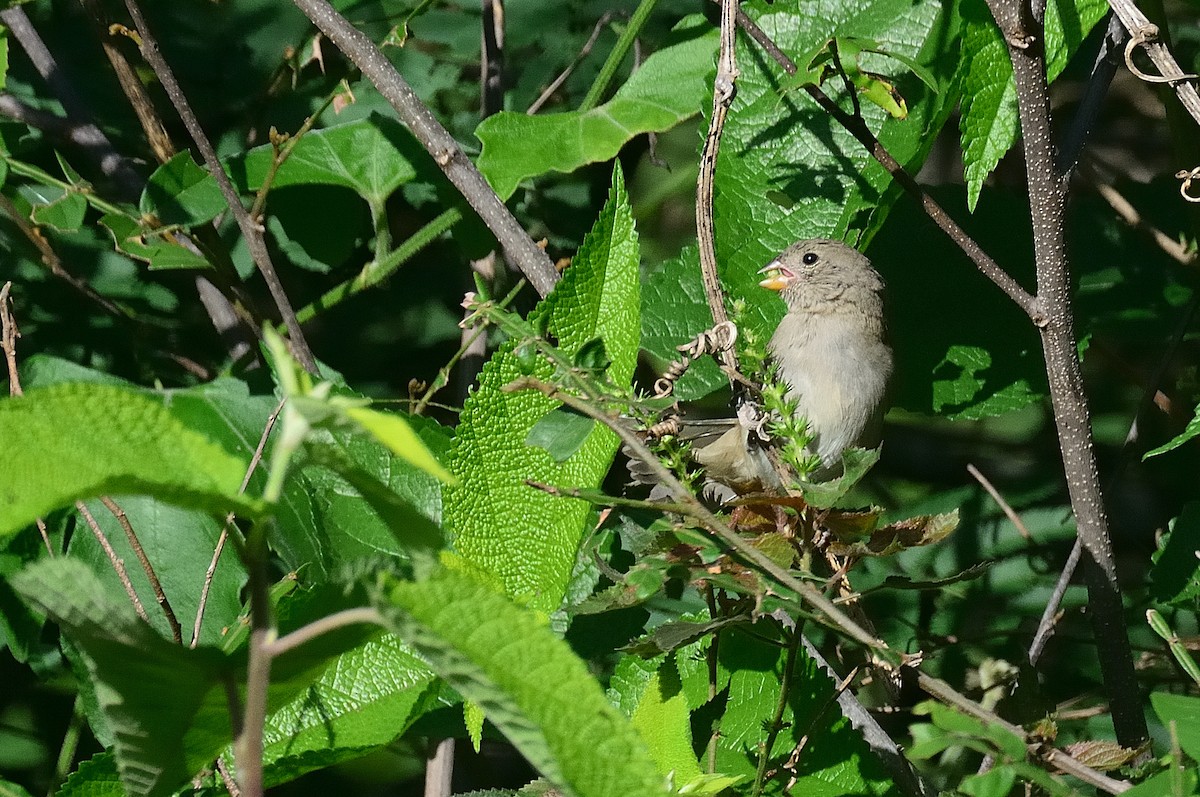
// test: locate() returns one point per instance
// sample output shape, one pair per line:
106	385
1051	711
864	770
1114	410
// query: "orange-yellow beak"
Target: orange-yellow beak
778	276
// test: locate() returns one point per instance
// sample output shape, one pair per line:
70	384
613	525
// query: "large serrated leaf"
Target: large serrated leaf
76	441
165	704
530	684
989	122
665	90
526	538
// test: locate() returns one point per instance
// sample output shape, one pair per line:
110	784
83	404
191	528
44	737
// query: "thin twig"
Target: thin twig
252	232
1145	34
358	616
776	723
220	546
8	342
1130	215
548	92
230	784
1006	507
1046	625
519	248
724	89
147	567
114	560
857	128
112	164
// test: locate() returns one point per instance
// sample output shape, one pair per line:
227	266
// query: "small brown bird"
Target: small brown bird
832	354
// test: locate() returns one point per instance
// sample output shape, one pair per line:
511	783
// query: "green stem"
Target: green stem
382	268
383	233
777	720
45	178
609	70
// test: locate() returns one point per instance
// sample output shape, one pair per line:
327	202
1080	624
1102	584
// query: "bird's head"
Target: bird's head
821	271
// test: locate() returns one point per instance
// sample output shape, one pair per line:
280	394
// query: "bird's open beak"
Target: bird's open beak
778	276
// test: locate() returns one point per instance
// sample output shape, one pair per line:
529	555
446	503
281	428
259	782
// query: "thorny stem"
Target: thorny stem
776	724
251	230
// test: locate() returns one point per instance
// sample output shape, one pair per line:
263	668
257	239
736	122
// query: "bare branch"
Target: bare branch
251	229
147	567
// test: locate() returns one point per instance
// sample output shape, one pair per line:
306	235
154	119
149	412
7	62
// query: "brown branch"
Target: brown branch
548	92
724	89
1022	29
1005	507
147	568
519	248
220	546
858	128
114	560
251	229
1145	34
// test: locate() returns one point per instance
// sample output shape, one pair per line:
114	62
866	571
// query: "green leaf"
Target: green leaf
668	88
96	777
392	430
996	782
505	660
561	433
1192	430
989	121
64	214
1175	575
856	462
71	442
372	157
165	704
1167	784
525	537
959	384
663	720
366	699
1184	711
161	251
181	193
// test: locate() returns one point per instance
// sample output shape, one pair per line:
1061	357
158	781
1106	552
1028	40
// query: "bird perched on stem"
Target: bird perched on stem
832	354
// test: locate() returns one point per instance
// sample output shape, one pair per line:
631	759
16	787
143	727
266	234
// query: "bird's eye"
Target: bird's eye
809	258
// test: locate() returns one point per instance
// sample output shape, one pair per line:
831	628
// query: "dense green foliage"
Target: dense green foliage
501	582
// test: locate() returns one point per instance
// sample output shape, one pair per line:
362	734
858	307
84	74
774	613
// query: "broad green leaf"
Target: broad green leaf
1184	711
165	703
96	777
366	699
989	121
837	760
662	719
996	782
959	382
10	789
530	684
161	251
372	156
181	192
668	88
72	442
394	432
180	544
324	523
1192	430
1167	784
1175	575
64	214
526	538
856	462
561	433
